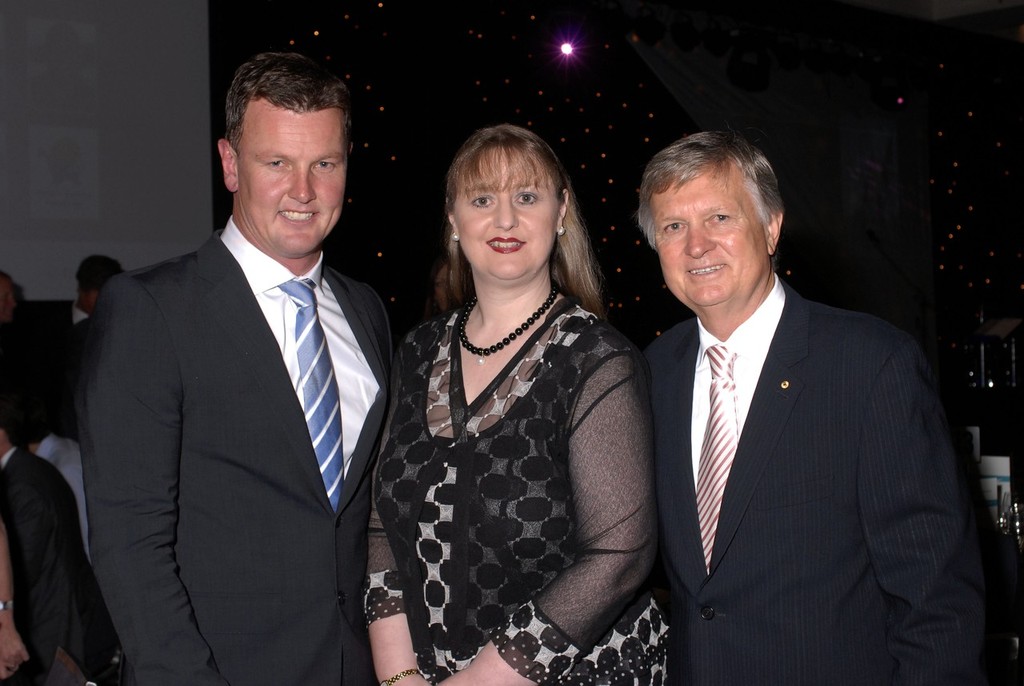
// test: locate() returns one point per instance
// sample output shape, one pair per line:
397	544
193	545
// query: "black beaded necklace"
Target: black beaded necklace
481	353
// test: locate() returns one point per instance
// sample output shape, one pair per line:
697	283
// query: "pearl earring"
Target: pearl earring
561	231
455	237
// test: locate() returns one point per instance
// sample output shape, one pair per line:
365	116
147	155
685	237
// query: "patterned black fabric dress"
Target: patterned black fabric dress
525	517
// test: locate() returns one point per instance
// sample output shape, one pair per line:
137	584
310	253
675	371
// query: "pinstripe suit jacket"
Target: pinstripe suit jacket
221	558
846	550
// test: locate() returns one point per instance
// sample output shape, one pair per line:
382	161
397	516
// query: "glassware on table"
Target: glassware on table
1011	519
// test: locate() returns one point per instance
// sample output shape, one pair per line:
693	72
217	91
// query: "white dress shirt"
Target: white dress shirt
66	455
77	314
356	384
750	341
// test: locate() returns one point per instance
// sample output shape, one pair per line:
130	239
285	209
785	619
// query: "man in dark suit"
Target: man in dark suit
843	549
215	539
59	602
92	273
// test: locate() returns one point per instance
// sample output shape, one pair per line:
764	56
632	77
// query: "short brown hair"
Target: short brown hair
288	80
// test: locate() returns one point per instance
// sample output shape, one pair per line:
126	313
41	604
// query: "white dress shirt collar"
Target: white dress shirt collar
78	314
360	387
750	342
752	338
261	270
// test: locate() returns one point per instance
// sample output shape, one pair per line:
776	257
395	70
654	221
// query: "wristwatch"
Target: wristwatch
6	605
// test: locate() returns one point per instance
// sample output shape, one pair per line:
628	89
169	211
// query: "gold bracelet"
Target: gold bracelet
401	675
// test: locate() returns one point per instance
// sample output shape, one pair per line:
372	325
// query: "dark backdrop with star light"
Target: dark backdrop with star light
423	79
425	76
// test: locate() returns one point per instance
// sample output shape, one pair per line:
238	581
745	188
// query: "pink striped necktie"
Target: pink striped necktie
719	447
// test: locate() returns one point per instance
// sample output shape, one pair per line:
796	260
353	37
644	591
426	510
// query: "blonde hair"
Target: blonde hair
527	159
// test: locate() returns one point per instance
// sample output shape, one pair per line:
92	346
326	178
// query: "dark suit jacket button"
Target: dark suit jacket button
707	612
341	599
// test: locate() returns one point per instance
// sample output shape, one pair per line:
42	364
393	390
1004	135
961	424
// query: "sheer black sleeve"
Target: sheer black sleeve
611	470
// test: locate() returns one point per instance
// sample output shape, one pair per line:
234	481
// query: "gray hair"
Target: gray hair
708	151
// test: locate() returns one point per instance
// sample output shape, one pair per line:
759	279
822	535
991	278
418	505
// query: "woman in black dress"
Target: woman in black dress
514	522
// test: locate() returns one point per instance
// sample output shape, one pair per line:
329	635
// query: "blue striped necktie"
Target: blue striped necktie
319	386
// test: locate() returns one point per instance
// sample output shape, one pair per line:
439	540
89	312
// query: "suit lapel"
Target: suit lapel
361	327
695	557
678	498
370	346
229	305
777	391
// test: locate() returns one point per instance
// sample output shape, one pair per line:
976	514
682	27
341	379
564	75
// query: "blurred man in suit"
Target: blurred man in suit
225	557
62	452
821	533
59	602
92	273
